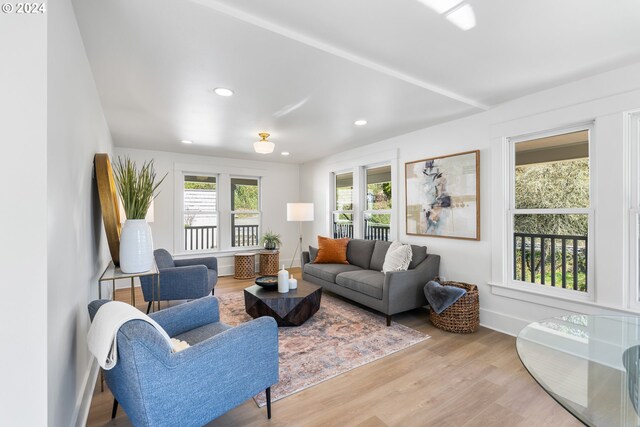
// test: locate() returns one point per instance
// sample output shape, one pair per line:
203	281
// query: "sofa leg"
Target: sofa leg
213	291
115	409
149	306
268	392
388	320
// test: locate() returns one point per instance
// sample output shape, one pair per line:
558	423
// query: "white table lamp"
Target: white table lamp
301	212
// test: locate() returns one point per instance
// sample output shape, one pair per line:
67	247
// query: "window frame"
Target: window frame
511	211
364	202
223	173
234	212
334	200
180	238
632	153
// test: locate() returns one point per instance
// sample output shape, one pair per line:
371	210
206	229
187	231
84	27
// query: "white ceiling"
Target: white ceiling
305	70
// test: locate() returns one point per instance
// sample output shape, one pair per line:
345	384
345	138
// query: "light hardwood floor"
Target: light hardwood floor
448	380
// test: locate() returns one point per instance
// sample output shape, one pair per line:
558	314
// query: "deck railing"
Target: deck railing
558	260
245	235
205	236
371	231
200	237
342	229
376	231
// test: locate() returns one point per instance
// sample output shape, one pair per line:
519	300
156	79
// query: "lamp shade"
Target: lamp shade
263	146
299	211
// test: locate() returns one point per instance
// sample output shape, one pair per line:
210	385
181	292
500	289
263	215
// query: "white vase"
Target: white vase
136	246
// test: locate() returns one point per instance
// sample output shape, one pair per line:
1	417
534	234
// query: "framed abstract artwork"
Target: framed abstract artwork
443	196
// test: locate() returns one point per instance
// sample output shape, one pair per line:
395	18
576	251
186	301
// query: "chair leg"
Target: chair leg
149	306
268	392
115	409
388	320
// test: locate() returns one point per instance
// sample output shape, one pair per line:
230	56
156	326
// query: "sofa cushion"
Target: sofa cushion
419	255
332	251
328	272
359	252
366	282
379	252
313	253
397	258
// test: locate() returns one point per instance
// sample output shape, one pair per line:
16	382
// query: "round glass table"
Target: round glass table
589	364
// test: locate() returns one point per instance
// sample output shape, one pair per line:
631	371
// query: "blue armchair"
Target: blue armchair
223	367
181	278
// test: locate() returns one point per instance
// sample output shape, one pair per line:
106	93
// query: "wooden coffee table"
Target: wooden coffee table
290	309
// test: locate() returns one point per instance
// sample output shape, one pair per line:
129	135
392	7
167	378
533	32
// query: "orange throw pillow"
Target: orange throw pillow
332	251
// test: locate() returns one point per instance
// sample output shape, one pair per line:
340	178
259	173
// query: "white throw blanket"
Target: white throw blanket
103	333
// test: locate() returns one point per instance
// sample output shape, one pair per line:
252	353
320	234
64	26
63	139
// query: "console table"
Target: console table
588	364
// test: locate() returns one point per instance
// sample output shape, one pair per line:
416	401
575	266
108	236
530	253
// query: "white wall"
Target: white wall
23	220
75	234
279	185
602	98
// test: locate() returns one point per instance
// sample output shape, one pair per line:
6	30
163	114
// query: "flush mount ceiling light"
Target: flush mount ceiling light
223	91
285	153
186	141
263	146
457	12
360	122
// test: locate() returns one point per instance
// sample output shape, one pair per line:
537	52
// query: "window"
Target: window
200	212
550	213
634	211
245	212
343	208
377	213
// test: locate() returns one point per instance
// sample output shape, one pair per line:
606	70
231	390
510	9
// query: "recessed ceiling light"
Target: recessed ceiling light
360	122
223	91
186	141
285	153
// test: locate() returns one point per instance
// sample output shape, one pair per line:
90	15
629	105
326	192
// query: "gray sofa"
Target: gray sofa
363	282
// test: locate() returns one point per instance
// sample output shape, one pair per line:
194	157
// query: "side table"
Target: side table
269	261
114	273
245	266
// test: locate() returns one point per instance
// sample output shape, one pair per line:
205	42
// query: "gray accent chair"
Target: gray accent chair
362	279
181	279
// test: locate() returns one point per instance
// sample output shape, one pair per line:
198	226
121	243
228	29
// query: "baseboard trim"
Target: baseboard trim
84	402
501	322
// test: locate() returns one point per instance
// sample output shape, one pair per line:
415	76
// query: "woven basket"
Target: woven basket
463	316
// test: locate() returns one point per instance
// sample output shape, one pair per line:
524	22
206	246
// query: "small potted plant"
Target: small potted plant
271	240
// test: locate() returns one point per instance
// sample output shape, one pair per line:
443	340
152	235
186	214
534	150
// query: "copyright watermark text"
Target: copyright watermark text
24	8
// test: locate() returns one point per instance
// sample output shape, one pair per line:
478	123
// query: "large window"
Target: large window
550	212
200	212
362	205
245	212
634	212
377	212
343	208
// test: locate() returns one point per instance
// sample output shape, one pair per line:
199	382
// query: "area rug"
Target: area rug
337	339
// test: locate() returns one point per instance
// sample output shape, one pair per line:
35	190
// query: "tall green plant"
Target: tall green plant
136	187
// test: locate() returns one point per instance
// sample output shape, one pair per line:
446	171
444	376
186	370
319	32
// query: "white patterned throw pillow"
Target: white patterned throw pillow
397	258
